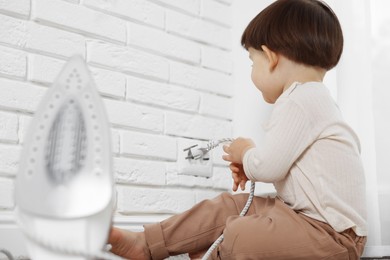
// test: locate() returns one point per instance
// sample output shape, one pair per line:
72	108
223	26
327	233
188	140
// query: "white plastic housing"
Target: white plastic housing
64	187
193	167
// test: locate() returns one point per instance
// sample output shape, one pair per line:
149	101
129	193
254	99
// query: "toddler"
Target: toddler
310	155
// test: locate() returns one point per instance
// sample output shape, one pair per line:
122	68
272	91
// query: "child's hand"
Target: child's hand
234	154
238	175
236	150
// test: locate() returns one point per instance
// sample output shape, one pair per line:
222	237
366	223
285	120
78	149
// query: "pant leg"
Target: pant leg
277	232
270	230
195	229
348	239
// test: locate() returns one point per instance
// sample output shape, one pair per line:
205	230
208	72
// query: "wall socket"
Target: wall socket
199	167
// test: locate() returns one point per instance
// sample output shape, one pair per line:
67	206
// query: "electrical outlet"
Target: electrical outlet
198	167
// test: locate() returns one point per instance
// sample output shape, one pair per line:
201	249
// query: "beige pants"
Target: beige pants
270	230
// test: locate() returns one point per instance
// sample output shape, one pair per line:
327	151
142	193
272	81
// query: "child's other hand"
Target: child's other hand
235	151
238	175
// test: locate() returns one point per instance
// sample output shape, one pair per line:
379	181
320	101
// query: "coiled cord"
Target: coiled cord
212	145
243	212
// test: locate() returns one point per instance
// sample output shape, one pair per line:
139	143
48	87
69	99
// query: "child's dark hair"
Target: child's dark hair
304	31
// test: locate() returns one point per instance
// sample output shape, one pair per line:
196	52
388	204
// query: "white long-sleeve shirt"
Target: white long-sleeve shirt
313	159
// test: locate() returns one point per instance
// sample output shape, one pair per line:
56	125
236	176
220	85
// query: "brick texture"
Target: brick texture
20	8
164	71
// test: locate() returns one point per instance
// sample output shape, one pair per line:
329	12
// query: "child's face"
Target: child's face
262	75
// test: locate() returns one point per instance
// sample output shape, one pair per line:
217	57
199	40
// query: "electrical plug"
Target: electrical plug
201	153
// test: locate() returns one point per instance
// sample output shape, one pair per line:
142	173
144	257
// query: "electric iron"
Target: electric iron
64	189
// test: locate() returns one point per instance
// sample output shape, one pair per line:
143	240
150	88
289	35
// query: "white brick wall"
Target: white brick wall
164	69
20	8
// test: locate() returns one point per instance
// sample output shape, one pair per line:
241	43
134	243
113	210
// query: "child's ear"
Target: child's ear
272	57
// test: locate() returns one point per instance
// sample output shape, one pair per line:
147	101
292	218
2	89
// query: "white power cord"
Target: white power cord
243	212
200	153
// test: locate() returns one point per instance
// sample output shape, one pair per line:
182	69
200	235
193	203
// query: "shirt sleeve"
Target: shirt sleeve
289	133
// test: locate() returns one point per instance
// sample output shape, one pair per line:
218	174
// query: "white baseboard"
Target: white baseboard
376	251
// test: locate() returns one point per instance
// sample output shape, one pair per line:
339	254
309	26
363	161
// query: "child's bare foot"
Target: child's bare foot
129	245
